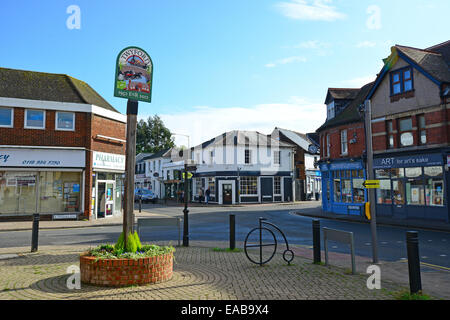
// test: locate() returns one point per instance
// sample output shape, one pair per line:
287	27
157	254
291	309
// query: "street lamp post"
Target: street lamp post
185	211
185	135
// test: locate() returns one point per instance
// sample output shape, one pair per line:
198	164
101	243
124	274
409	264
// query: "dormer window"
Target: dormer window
330	110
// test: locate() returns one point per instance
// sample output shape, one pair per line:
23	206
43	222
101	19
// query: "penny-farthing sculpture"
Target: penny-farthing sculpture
269	241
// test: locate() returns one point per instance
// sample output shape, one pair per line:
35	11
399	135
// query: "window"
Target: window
65	121
401	81
337	186
422	131
328	145
34	119
390	134
6	117
330	110
434	186
249	185
248	156
384	193
212	187
358	188
344	149
406	135
277	157
277	185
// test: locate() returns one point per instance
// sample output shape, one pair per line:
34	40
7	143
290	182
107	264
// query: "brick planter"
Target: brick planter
126	272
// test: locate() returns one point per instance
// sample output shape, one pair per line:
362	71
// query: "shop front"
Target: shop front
107	184
49	181
412	186
342	187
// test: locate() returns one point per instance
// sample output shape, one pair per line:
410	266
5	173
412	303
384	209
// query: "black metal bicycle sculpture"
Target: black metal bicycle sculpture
288	255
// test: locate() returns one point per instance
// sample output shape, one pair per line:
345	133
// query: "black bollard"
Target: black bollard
316	240
140	204
232	231
412	246
35	233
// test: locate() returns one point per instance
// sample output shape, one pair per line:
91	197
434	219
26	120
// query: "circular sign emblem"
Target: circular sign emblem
134	72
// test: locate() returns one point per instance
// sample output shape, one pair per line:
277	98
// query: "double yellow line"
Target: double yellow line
433	266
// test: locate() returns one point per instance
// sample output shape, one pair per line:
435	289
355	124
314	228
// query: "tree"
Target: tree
152	136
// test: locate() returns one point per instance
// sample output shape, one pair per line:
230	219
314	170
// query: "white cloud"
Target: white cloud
313	44
366	44
310	10
204	122
358	82
286	61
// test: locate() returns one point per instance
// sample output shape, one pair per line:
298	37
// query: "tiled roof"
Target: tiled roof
350	113
434	61
34	85
159	154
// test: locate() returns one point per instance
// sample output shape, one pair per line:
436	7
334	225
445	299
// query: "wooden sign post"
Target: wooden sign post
133	81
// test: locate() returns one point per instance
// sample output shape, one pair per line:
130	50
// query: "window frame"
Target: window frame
11	125
275	155
247	156
34	127
421	128
390	134
64	129
400	132
401	81
344	143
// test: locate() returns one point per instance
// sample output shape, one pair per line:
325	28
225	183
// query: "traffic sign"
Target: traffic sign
189	175
191	168
371	184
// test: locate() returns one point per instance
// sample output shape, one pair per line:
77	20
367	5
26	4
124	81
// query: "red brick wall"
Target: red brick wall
354	149
109	128
18	135
438	133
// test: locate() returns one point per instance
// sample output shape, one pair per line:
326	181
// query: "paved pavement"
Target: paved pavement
202	272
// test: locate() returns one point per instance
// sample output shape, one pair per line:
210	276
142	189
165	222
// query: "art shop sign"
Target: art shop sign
134	75
422	160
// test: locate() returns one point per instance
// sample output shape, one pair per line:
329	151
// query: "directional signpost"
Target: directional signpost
371	184
187	172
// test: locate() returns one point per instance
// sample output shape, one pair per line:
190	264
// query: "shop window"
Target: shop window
212	187
65	121
59	192
249	185
398	191
397	172
358	188
34	119
6	117
384	193
277	185
406	134
415	192
17	192
337	186
413	172
434	186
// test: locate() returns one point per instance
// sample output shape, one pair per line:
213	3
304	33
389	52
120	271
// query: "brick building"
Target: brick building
411	133
62	147
342	150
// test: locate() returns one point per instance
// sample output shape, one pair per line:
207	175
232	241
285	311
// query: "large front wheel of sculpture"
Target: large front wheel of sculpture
260	244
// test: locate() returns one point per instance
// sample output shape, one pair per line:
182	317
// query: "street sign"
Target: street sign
134	75
189	175
371	184
191	168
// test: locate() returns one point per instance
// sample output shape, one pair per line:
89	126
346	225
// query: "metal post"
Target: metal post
316	240
370	175
260	241
412	246
130	163
35	233
186	211
140	204
232	231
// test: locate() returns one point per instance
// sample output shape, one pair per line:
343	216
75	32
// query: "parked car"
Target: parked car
145	194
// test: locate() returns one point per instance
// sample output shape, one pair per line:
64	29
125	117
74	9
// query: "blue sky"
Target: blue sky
223	64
